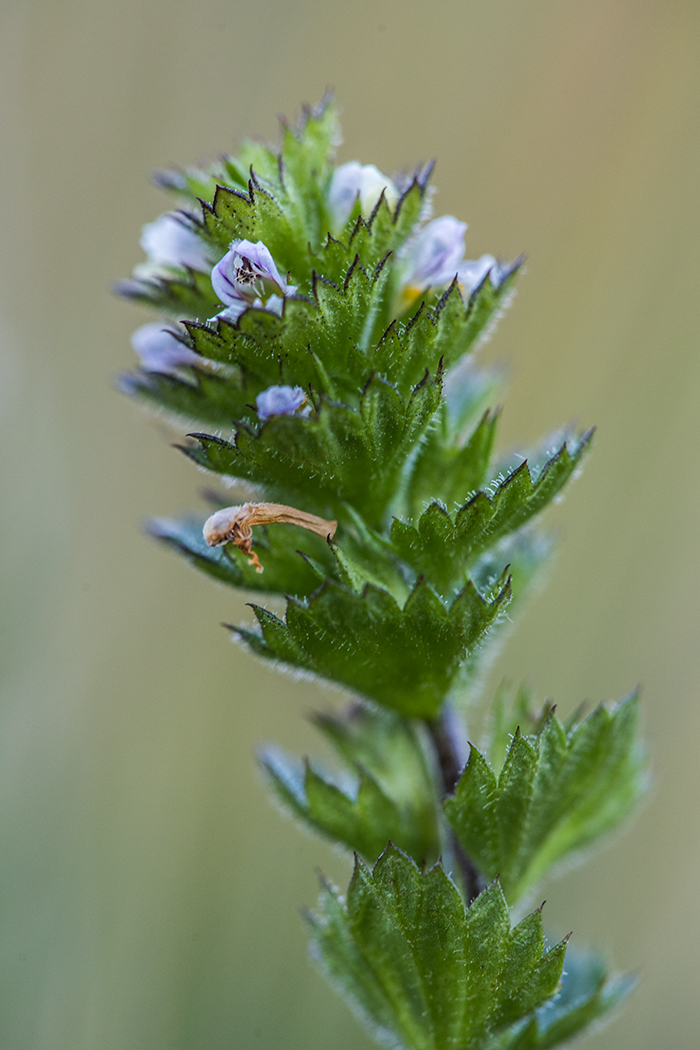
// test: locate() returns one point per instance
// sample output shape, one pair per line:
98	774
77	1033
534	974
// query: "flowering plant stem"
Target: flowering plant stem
319	327
450	767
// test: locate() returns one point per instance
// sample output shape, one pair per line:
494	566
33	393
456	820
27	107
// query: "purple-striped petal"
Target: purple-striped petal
247	272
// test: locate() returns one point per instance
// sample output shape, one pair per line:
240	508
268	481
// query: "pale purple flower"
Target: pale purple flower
160	350
247	276
169	241
471	274
436	253
435	257
499	271
353	180
282	401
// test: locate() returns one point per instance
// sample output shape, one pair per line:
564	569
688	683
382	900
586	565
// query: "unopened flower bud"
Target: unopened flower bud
353	180
169	241
282	401
435	254
160	350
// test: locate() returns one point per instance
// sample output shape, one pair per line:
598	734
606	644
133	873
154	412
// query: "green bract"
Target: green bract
424	969
406	657
390	795
557	791
317	342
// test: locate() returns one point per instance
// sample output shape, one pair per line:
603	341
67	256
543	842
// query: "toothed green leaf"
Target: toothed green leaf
307	154
359	815
388	227
587	995
256	215
442	333
405	658
442	545
358	819
348	314
363	823
337	454
388	746
556	793
385	791
268	348
421	967
196	395
308	149
508	713
334	948
448	472
195	184
187	293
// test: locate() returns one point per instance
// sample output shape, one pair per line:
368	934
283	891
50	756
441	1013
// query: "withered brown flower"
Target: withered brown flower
235	525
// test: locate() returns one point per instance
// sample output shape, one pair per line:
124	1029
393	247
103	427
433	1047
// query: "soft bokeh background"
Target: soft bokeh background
149	893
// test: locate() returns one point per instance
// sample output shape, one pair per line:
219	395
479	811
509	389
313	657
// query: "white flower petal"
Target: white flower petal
352	180
170	242
473	272
159	349
435	254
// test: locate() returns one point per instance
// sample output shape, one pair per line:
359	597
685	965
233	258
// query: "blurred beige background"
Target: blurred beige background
149	892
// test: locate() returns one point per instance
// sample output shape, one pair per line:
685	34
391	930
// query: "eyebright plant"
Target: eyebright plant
318	325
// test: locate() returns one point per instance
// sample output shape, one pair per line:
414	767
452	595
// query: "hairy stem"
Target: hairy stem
450	764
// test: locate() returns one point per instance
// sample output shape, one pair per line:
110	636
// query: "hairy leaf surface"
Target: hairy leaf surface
557	792
422	968
443	546
338	454
588	995
386	791
403	657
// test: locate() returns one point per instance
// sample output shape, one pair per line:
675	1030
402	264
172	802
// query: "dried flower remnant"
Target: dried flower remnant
235	525
247	276
169	241
282	401
353	180
160	350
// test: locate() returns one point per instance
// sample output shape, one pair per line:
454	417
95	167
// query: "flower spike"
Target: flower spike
320	329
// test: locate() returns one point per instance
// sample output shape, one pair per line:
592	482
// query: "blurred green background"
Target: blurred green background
149	892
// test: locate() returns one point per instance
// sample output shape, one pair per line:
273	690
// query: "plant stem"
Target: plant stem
450	764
